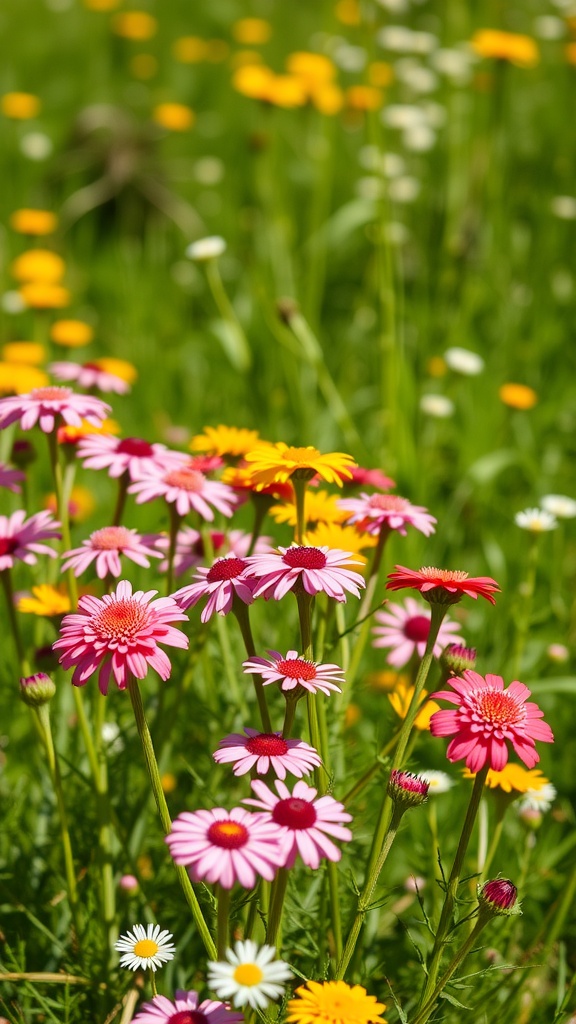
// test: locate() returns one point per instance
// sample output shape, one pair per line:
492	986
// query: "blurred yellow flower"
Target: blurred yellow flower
319	507
380	74
287	91
33	222
570	52
38	265
144	66
518	396
276	463
80	506
251	31
71	333
42	295
346	538
313	68
136	25
176	117
352	715
348	12
47	600
19	379
30	352
168	782
119	367
245	57
363	97
21	106
71	435
221	440
328	98
253	80
190	49
387	680
102	5
518	49
145	867
513	778
436	366
401	699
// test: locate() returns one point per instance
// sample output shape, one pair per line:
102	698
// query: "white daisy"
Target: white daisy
536	520
538	799
145	947
249	975
560	505
438	782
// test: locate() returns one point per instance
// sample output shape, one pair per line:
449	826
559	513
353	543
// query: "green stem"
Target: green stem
501	808
6	577
276	905
428	1007
123	482
239	350
63	511
523	620
240	610
365	779
364	613
175	520
289	716
230	666
104	824
299	488
223	921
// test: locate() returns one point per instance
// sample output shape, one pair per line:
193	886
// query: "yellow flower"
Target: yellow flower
388	680
276	463
518	396
364	97
102	5
328	98
352	715
334	1002
518	49
137	25
71	435
221	440
313	68
319	507
287	91
176	117
119	367
251	31
348	12
570	52
33	222
71	333
80	506
436	366
144	66
513	778
41	295
190	49
38	265
346	538
401	699
253	80
169	782
380	74
21	106
29	352
19	379
47	600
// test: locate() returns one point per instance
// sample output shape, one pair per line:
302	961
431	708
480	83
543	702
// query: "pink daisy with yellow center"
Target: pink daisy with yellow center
50	406
187	489
104	547
316	569
292	671
370	512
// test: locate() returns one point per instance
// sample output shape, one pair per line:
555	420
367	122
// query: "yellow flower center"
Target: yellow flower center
301	455
146	948
248	974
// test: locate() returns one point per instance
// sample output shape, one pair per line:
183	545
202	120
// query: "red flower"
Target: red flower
443	586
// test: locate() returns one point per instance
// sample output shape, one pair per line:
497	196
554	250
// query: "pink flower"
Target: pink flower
224	581
190	546
226	846
316	569
129	455
89	375
11	478
405	629
186	488
304	823
186	1009
267	751
105	547
362	477
47	405
371	512
119	634
19	537
487	716
446	586
294	671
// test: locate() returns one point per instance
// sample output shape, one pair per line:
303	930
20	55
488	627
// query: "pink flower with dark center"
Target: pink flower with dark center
292	671
445	586
11	478
129	455
362	477
119	634
304	823
187	489
89	375
19	537
105	547
186	1009
486	718
266	751
405	628
224	581
48	406
315	569
226	846
370	512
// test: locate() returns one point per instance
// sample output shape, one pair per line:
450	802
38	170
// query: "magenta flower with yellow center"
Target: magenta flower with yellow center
104	547
371	512
276	463
187	489
49	406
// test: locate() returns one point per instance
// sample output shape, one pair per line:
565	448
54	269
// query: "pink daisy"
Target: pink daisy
190	546
11	478
48	405
316	569
105	547
186	488
221	583
362	477
186	1009
487	715
444	585
267	751
226	846
292	671
129	455
405	629
370	512
119	634
303	822
89	375
19	537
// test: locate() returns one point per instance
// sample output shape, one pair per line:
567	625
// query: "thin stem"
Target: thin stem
365	779
237	347
240	610
63	511
523	620
364	613
289	716
175	520
223	921
299	488
428	1007
104	826
123	482
6	577
484	865
276	905
153	982
230	665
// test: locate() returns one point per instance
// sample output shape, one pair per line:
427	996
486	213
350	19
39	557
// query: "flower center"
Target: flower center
444	575
297	668
498	708
248	974
267	744
7	545
120	620
230	835
304	558
226	569
134	446
417	628
146	947
388	502
187	1017
50	394
111	538
91	366
185	479
300	455
294	813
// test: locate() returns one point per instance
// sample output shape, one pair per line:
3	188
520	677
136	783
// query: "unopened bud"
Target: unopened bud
456	658
37	690
498	897
23	453
407	790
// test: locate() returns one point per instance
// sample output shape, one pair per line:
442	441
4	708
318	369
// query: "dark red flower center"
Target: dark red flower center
7	545
297	668
186	480
294	813
305	558
187	1017
417	628
228	834
267	744
91	366
134	446
226	569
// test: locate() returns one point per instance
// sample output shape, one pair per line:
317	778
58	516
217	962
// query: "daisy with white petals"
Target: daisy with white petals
249	975
144	948
536	520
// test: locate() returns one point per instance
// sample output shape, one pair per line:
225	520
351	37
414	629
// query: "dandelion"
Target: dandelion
186	1009
33	222
445	586
20	106
518	396
104	374
129	455
277	463
334	1002
316	569
221	583
145	948
49	406
249	976
267	752
371	512
536	520
185	488
104	547
38	265
20	538
135	25
303	823
41	295
175	117
292	671
71	333
511	46
404	628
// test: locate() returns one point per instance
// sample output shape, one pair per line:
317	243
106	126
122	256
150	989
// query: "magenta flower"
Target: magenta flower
405	628
293	671
89	375
486	717
224	581
119	634
20	537
11	478
190	546
105	547
186	1009
303	822
316	569
48	405
372	511
267	751
128	455
187	489
226	846
362	477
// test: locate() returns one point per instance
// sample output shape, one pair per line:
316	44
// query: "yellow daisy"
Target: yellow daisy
221	440
518	49
71	333
319	507
31	353
33	222
334	1002
43	295
46	600
513	778
276	463
401	699
20	379
38	265
346	538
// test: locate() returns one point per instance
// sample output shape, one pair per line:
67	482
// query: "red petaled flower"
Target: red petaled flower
444	586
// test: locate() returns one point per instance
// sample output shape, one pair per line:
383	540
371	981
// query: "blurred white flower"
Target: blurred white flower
548	26
206	248
395	37
404	190
538	799
350	58
209	170
419	139
438	782
370	187
564	207
562	284
396	233
536	520
403	116
12	302
560	505
455	64
416	77
394	6
437	406
36	146
463	360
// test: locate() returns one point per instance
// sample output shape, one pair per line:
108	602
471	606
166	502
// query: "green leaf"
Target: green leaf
558	684
452	999
490	466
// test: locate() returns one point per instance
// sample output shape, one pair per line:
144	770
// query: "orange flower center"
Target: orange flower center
146	948
110	538
185	479
120	620
51	394
388	502
297	668
444	575
300	455
498	708
230	835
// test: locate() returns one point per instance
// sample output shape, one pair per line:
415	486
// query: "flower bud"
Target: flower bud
23	453
456	658
498	897
37	690
407	790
